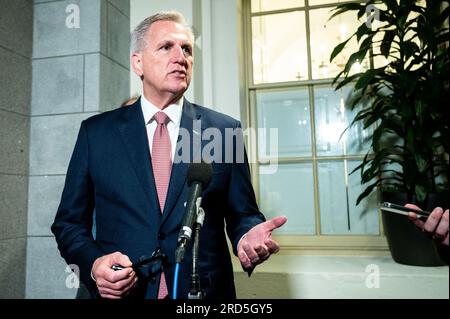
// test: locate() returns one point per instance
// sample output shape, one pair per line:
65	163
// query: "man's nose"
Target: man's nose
178	54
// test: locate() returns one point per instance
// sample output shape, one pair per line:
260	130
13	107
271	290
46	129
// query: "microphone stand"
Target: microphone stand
195	292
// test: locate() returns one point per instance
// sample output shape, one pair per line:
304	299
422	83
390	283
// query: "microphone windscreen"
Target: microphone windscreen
199	172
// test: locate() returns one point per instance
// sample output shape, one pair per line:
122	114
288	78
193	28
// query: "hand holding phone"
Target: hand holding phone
402	210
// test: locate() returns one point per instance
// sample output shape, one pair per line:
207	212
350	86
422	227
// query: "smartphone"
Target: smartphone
402	210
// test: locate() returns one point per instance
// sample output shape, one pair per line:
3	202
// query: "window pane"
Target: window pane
331	118
319	2
325	35
364	217
338	212
288	112
279	55
289	192
268	5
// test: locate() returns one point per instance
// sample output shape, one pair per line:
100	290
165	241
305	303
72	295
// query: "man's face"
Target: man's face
166	62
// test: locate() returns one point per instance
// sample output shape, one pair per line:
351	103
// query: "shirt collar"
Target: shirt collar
173	111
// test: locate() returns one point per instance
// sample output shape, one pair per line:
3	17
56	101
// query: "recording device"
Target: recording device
198	178
402	210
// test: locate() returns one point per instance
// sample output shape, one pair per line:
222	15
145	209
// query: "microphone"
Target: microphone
198	178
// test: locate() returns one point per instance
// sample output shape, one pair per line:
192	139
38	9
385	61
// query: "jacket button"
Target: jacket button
161	236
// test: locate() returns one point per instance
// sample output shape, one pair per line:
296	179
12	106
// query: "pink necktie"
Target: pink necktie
162	167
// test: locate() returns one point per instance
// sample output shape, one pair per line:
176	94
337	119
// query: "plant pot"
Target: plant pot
409	245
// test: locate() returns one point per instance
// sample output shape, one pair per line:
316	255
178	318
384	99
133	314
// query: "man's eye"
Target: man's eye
188	50
165	47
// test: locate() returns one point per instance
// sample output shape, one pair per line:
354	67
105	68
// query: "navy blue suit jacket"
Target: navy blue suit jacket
111	171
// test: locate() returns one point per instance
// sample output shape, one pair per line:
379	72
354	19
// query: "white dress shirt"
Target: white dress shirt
173	111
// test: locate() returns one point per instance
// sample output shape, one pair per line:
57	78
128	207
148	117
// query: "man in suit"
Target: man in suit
127	165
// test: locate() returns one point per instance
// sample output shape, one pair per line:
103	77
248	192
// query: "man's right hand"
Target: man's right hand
114	284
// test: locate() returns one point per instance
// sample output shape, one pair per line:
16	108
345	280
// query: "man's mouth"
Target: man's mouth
179	72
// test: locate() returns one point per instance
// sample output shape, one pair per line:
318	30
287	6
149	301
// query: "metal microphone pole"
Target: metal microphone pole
195	291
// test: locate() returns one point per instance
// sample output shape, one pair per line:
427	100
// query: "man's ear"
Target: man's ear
136	64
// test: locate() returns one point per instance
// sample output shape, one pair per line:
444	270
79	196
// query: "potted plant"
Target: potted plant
405	100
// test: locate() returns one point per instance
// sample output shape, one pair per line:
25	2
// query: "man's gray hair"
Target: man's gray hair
138	42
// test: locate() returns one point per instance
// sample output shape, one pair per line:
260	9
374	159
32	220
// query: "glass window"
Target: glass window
289	113
332	118
279	195
291	91
338	193
269	5
365	215
279	56
325	35
320	2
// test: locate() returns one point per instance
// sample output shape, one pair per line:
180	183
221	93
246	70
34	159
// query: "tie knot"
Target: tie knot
161	118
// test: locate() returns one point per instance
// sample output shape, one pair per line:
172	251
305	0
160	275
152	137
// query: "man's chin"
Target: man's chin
179	89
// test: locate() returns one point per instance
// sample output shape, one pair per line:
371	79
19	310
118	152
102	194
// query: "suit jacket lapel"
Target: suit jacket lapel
134	135
178	176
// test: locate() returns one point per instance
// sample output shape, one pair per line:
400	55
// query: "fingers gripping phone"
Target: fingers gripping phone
402	210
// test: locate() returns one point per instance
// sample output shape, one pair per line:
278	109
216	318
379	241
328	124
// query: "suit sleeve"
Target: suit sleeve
243	213
72	226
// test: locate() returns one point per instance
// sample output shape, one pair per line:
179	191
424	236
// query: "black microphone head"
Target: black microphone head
199	172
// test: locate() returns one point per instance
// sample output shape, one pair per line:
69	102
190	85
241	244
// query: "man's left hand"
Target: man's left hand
257	245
